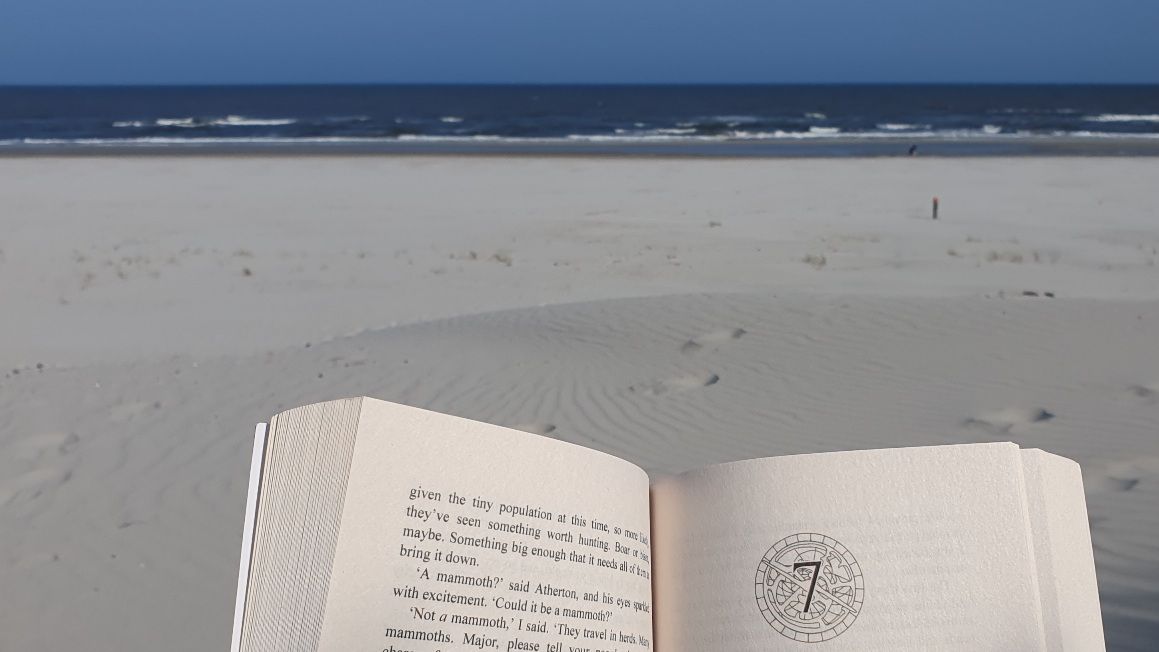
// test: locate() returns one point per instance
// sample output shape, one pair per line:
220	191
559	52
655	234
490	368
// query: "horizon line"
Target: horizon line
5	85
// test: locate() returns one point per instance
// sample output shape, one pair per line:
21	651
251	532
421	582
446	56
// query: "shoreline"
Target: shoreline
836	147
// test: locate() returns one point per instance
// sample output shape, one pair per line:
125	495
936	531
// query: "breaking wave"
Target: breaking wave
193	123
1123	117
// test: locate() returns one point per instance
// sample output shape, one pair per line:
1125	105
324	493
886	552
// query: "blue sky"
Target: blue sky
569	41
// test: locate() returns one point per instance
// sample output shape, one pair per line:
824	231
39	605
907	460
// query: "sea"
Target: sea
685	120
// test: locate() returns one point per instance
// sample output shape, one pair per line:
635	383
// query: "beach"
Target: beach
673	311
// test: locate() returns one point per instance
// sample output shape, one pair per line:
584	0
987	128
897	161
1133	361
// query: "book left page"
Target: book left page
461	535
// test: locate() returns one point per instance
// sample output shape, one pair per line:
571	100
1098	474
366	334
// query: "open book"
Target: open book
378	527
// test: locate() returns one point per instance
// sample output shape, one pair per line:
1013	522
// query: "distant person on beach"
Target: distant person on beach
913	150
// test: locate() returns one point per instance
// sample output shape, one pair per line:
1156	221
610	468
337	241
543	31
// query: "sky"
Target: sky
573	41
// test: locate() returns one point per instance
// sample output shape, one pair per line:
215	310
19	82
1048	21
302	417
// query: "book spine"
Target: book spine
247	537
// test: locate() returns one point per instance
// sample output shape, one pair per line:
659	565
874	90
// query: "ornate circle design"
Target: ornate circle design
809	587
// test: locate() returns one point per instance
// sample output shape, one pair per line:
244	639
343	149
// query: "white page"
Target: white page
403	458
923	548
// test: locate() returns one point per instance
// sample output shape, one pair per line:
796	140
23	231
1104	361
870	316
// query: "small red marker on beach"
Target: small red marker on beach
935	208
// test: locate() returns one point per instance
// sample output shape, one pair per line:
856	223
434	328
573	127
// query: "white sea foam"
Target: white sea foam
1123	117
627	138
991	129
778	134
1020	110
227	121
636	137
242	121
452	119
735	120
824	131
816	116
739	135
900	126
1104	134
761	135
419	138
175	140
638	133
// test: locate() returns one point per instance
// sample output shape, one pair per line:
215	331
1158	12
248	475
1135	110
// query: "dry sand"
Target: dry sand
673	312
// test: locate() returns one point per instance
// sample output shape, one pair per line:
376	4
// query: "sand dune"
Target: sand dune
126	412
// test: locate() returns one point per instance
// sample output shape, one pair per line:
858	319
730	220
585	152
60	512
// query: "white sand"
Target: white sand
825	311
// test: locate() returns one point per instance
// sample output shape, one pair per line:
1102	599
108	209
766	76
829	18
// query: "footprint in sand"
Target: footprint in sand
1009	420
536	428
45	446
713	340
1125	476
130	410
31	485
1148	394
47	466
681	383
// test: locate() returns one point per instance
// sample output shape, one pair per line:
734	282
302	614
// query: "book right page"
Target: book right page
900	549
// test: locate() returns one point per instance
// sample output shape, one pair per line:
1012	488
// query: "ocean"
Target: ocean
759	120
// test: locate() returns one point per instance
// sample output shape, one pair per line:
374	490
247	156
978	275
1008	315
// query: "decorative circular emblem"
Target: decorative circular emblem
809	587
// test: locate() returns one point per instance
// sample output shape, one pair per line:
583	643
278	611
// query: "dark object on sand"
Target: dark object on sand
913	150
935	208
